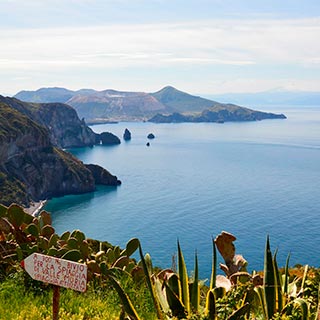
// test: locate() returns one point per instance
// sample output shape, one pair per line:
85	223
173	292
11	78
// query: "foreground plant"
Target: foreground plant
174	295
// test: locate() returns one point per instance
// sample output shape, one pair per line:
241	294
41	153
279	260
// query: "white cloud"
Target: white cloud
219	42
240	43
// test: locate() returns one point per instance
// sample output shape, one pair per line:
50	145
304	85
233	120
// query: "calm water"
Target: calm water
195	180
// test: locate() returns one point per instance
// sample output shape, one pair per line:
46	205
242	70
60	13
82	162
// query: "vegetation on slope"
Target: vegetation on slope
120	286
14	123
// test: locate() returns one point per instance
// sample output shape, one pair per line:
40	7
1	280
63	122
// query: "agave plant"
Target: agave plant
277	295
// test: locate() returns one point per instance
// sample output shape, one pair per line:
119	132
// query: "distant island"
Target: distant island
219	114
165	105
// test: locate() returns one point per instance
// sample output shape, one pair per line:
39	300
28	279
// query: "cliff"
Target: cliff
33	169
65	128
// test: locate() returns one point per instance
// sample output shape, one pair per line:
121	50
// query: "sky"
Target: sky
198	46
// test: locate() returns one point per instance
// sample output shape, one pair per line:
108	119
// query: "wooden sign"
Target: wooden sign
59	272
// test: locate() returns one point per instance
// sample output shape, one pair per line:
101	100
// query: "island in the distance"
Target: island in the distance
165	105
219	114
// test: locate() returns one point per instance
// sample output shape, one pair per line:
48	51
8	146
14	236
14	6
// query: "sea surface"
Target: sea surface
252	179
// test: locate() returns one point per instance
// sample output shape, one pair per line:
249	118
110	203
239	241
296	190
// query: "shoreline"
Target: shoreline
35	208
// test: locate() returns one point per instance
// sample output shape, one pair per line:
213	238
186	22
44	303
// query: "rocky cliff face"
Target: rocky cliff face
32	168
66	130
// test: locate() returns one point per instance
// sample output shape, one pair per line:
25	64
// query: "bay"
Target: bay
252	179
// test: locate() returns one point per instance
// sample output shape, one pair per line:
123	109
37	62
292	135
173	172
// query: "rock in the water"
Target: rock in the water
127	135
150	136
108	138
102	176
148	144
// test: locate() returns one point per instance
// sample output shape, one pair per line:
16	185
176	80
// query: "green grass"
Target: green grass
34	302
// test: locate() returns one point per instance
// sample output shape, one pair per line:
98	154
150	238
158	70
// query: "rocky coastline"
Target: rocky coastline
34	169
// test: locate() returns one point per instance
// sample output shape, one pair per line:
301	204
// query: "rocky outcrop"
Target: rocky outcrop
108	138
126	135
66	130
150	136
103	176
32	168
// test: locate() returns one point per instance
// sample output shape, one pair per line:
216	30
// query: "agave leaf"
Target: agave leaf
183	275
286	277
127	304
318	309
269	281
195	293
262	301
214	266
161	294
240	312
173	282
211	305
149	283
303	280
303	306
175	303
300	304
253	299
278	285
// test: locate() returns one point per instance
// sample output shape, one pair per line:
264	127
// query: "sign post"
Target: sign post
56	271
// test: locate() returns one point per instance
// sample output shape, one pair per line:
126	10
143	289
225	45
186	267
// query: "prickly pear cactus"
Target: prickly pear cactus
233	263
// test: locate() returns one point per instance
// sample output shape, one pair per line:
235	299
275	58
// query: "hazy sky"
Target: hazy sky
199	46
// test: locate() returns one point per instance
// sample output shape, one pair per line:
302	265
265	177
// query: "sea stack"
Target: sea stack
126	135
108	138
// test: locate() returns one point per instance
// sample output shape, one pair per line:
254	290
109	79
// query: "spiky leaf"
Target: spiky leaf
214	266
195	293
269	282
211	305
127	304
149	283
183	275
238	314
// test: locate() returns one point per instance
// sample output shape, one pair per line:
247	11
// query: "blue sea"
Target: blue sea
251	179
